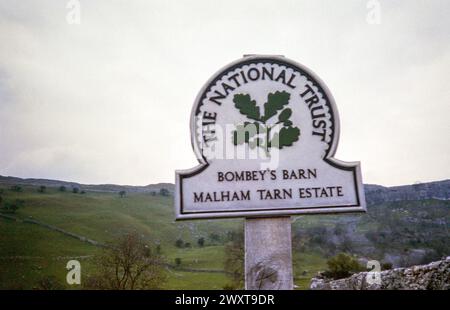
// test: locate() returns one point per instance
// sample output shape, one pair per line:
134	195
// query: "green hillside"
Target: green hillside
32	255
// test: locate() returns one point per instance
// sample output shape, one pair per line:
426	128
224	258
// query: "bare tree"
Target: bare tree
130	264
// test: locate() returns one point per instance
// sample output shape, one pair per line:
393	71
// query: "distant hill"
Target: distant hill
439	190
375	194
87	187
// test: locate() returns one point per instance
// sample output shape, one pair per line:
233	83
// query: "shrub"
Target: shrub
177	262
164	192
179	243
42	189
16	188
12	207
342	266
386	266
201	241
215	238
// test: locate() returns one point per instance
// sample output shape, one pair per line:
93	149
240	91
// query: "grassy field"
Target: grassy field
30	253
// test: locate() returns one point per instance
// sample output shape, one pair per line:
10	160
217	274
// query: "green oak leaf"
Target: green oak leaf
258	133
275	101
286	137
284	115
247	106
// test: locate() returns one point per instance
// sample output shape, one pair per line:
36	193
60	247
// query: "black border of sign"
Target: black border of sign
358	207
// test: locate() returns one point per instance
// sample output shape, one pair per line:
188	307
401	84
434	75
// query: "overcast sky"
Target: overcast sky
108	100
